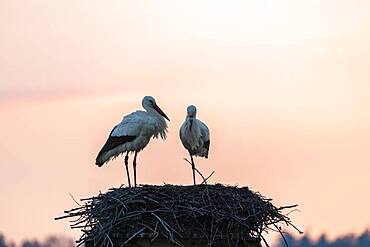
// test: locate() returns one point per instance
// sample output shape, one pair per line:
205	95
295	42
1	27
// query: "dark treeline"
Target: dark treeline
362	240
49	242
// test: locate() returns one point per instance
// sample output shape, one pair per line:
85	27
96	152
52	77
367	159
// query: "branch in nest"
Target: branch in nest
204	179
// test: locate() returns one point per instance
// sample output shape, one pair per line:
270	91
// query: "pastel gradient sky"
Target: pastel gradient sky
283	85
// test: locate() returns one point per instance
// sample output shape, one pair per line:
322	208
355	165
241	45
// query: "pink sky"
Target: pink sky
284	87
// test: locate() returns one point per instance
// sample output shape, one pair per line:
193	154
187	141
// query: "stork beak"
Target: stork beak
160	112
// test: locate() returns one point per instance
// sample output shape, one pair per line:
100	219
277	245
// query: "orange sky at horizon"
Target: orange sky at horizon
284	87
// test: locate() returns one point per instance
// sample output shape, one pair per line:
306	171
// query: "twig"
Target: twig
134	235
74	199
264	240
204	179
285	207
282	235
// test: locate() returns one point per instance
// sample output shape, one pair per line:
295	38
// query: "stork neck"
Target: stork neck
190	118
191	123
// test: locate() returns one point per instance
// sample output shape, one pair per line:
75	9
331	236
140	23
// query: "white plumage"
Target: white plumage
133	133
194	135
142	126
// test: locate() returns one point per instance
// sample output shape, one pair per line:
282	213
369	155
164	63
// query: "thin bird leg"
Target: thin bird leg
193	167
128	174
134	164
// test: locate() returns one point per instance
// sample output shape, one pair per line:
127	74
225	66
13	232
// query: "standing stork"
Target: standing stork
194	135
133	133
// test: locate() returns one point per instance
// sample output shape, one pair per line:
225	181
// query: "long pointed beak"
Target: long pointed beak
159	110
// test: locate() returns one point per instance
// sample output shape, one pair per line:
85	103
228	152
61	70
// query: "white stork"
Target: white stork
194	135
133	133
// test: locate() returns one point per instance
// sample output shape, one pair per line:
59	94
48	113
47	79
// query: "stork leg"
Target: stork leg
134	164
193	167
127	172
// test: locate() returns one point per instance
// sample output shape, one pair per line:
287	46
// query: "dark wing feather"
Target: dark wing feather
206	146
113	142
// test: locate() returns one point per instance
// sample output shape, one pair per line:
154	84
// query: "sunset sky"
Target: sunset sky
284	86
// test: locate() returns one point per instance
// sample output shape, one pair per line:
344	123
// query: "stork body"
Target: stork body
133	133
194	135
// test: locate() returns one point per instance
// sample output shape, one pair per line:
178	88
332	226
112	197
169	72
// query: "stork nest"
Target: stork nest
208	212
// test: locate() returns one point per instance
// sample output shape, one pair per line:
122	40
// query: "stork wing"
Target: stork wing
115	141
205	137
131	125
204	131
124	132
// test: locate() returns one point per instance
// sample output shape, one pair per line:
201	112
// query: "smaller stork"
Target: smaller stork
194	135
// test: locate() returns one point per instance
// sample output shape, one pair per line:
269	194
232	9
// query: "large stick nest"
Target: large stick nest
208	212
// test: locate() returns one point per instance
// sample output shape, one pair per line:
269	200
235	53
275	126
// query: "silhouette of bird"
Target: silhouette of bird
194	135
133	133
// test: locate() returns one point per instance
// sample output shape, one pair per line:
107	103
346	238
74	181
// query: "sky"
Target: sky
284	87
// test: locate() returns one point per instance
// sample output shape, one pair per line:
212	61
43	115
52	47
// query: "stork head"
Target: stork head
150	105
192	111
